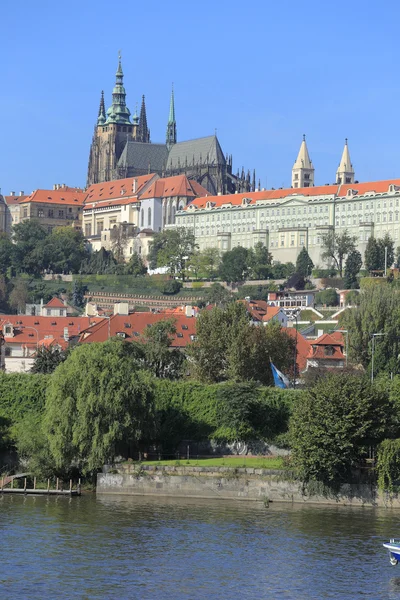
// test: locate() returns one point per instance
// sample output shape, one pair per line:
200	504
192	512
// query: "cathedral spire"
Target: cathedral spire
143	131
303	170
101	118
171	127
118	111
345	172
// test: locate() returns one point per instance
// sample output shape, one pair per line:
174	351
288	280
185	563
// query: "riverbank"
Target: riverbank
224	483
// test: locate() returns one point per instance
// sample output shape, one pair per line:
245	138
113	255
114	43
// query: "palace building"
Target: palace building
122	148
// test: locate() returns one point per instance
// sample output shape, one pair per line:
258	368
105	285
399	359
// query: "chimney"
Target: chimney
66	334
188	311
12	193
55	186
21	193
63	186
121	308
134	185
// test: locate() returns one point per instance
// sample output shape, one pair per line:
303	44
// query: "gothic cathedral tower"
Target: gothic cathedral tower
112	131
303	170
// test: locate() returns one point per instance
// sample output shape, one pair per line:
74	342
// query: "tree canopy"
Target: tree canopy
98	402
172	248
304	264
336	246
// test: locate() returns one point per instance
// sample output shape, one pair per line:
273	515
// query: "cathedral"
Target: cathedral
121	148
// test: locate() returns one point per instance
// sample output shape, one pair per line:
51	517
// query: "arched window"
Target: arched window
142	218
173	214
149	217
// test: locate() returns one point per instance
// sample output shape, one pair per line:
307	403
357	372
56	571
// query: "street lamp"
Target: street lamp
374	335
295	315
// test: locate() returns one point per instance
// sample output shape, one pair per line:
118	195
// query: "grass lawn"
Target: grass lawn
235	462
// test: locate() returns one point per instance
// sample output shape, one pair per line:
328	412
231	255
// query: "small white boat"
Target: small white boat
394	551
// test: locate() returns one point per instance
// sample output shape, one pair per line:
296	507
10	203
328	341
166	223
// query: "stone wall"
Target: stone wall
224	483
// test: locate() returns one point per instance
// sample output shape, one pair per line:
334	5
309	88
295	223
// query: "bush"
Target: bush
322	273
173	286
327	297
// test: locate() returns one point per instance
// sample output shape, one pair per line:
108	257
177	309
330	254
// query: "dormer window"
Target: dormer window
8	330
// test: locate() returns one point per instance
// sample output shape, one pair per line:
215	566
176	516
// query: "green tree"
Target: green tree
119	240
99	262
386	244
327	297
228	346
332	426
99	404
19	296
136	266
352	269
378	312
204	264
371	256
48	359
259	261
173	249
28	255
304	264
6	252
162	360
234	265
217	294
336	246
64	250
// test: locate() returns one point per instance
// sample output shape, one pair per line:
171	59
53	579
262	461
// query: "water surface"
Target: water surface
147	548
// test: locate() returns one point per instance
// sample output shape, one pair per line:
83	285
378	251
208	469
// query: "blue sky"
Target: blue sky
262	73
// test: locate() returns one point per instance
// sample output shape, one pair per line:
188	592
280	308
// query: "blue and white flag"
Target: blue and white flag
279	378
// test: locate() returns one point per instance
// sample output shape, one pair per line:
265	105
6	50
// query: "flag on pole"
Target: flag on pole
279	378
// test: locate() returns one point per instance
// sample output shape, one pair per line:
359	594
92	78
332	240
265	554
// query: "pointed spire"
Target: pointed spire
253	185
303	158
143	134
303	169
135	118
345	172
101	118
171	126
118	112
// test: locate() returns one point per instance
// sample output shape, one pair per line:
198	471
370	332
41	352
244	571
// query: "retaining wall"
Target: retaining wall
223	483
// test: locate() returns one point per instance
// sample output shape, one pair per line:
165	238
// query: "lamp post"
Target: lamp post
374	335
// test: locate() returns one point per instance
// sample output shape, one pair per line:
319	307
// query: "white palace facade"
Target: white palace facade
286	220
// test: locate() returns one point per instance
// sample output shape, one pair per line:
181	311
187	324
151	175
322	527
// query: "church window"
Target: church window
142	218
149	217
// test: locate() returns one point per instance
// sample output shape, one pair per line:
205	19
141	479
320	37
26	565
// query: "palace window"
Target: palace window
61	214
40	212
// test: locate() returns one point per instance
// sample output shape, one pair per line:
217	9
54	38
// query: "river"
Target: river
155	548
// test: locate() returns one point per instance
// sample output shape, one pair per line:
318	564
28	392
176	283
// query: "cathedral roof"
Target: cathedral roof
303	158
200	150
144	156
345	165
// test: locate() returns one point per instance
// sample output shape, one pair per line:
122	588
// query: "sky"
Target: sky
261	73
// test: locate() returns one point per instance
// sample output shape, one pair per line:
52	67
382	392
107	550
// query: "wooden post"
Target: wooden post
34	483
79	486
48	485
24	484
70	486
57	484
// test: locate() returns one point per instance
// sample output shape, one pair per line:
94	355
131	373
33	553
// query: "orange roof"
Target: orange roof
179	185
55	303
119	188
236	199
272	311
303	347
380	187
10	200
330	339
67	196
29	330
323	190
132	327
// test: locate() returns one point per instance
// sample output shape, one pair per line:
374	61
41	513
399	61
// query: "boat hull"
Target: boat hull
394	549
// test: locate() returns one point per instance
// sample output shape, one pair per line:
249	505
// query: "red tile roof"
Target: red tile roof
303	347
55	303
66	196
133	326
334	340
322	190
11	200
30	329
118	188
179	185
